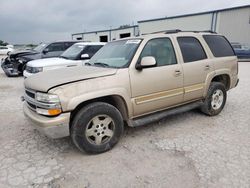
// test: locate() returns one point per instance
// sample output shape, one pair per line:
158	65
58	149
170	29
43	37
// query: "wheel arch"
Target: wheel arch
223	78
114	100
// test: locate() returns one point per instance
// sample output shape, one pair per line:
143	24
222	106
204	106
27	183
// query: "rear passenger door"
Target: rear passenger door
196	67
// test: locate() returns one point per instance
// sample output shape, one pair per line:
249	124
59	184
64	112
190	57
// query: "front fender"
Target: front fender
70	103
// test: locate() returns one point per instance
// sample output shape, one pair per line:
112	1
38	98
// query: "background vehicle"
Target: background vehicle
15	63
137	81
4	50
242	51
76	55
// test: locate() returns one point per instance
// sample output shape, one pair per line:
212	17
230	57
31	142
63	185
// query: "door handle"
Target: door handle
177	72
207	67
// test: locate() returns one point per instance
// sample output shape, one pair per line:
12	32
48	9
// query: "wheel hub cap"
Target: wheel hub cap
100	129
217	99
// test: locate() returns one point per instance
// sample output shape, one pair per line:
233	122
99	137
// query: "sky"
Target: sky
35	21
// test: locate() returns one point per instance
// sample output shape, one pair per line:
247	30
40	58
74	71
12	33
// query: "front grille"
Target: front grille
32	106
30	94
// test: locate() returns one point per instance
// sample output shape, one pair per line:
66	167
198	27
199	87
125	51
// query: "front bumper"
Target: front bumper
53	127
9	68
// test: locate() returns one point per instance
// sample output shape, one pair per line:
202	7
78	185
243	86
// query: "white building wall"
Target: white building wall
95	37
74	37
115	34
196	22
235	25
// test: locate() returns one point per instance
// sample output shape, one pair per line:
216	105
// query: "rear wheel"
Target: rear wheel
215	100
97	127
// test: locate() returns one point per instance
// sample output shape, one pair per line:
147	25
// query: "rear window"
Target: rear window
191	49
219	45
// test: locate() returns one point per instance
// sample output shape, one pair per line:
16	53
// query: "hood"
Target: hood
20	53
44	81
49	62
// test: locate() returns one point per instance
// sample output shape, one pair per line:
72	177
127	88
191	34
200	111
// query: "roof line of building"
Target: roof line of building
99	31
194	14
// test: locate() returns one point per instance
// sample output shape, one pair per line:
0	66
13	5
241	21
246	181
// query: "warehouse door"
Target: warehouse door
104	38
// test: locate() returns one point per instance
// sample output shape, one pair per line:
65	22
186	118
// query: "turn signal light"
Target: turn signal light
54	112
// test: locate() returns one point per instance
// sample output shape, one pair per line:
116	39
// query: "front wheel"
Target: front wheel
215	100
97	127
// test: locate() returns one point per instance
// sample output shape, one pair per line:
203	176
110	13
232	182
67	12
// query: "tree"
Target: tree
2	43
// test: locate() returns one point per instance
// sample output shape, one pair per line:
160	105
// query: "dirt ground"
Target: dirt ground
184	150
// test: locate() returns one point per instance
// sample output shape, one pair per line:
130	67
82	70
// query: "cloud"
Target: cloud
32	21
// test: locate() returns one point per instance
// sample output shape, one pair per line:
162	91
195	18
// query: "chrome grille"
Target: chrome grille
30	93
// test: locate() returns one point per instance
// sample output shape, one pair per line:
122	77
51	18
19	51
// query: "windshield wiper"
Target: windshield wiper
101	64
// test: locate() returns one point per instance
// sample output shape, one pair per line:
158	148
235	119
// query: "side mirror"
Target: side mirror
146	62
85	56
46	50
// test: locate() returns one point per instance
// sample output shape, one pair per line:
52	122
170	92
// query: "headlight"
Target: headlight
37	69
52	100
48	98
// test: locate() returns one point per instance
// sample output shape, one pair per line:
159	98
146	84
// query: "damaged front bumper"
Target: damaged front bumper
10	68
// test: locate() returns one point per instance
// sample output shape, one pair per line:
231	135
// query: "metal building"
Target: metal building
234	23
107	35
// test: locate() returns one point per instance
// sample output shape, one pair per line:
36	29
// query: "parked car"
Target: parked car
77	55
15	63
132	81
4	50
242	51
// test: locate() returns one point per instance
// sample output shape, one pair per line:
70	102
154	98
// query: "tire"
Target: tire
97	128
215	99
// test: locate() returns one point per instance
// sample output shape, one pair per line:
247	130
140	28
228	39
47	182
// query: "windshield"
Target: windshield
73	52
40	47
117	54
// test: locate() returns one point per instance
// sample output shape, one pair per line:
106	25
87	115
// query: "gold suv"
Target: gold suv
133	81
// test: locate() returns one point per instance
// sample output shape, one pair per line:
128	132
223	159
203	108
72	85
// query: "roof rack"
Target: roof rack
178	31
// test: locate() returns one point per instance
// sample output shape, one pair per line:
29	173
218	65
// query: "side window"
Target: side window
162	50
219	45
191	49
55	47
91	50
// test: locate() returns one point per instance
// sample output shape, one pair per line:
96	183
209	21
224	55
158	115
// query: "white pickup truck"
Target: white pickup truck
77	55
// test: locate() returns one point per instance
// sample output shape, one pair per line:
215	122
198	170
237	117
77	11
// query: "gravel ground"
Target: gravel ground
185	150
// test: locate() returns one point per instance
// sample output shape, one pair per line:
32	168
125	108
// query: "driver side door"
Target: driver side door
157	88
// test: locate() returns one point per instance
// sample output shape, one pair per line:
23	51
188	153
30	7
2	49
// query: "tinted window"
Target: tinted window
55	47
191	49
162	50
91	50
68	44
219	46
